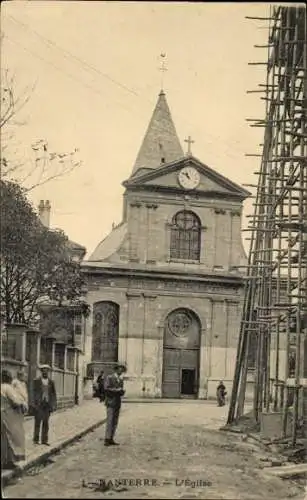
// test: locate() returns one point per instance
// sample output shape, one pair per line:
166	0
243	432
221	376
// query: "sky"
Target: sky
94	71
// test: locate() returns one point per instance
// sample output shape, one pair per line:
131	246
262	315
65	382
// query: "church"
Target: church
166	285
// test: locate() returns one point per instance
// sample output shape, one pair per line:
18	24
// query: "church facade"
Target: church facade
166	285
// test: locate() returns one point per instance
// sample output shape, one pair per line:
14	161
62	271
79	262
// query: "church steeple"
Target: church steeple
160	144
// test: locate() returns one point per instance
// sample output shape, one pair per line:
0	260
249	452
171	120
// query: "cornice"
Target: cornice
152	274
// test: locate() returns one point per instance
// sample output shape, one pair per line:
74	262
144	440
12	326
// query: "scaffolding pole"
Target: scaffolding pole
272	336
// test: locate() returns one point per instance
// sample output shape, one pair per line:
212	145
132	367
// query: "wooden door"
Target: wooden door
171	373
174	362
189	368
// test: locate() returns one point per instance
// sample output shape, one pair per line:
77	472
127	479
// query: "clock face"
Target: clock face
189	177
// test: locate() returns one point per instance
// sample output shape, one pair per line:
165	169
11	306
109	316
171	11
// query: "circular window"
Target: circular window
179	323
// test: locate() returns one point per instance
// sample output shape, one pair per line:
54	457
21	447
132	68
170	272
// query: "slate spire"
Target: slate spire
160	144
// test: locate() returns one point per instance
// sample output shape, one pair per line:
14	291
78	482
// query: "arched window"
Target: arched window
185	236
105	332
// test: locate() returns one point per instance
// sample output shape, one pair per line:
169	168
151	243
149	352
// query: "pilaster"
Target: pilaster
218	348
159	360
152	242
150	340
235	242
16	339
167	241
222	238
65	357
134	216
53	355
134	341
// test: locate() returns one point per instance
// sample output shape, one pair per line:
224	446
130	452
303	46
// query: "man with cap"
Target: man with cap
114	390
44	403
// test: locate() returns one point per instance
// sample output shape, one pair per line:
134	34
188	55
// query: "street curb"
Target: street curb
170	401
8	475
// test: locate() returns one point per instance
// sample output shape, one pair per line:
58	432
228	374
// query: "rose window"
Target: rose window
179	323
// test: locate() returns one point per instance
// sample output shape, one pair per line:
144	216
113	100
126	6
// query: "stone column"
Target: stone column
16	336
39	340
167	242
142	233
209	237
133	231
52	357
33	347
205	354
65	358
203	246
215	237
218	339
204	365
159	368
236	245
134	334
123	331
233	329
150	345
152	233
222	238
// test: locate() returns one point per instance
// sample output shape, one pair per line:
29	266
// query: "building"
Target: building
61	342
165	285
56	339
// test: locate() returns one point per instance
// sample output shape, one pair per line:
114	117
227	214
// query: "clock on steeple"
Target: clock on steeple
189	178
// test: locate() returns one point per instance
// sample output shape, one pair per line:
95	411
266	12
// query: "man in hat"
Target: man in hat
44	403
114	390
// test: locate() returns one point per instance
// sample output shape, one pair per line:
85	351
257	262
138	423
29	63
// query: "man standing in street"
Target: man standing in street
114	390
44	403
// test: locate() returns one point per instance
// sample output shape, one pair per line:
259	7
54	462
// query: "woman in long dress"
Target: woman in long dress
20	386
12	420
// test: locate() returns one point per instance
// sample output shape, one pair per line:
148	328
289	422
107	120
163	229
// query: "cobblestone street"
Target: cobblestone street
176	447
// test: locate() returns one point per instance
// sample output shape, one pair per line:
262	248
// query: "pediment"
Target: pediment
165	177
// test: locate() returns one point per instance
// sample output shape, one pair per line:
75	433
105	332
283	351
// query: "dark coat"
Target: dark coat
221	390
38	394
99	391
114	390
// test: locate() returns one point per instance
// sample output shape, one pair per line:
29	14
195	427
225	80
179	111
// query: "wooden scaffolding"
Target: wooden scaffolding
273	326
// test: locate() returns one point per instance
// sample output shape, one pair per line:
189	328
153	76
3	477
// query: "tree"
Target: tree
10	104
42	164
36	263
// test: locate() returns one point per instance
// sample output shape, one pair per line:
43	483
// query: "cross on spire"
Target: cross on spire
189	141
162	68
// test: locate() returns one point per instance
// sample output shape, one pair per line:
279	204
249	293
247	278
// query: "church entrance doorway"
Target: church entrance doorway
188	377
180	378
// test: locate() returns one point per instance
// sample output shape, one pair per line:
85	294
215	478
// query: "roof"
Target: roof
76	246
151	178
161	143
110	244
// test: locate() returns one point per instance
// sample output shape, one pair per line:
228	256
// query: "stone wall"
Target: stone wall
144	306
149	219
25	353
147	284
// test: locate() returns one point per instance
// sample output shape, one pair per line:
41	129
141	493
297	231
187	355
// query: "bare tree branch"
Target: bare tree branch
10	104
42	165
